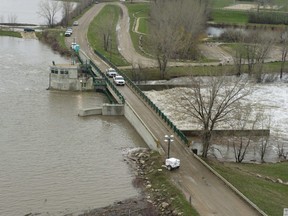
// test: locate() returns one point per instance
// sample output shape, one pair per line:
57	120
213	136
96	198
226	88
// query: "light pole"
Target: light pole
169	139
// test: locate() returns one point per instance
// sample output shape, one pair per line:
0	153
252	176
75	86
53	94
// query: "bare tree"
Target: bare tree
106	29
12	18
243	121
280	151
48	10
264	142
263	3
284	49
211	102
67	8
81	5
257	47
2	19
239	52
174	28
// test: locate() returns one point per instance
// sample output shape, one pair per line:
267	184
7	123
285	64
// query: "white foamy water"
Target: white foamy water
270	99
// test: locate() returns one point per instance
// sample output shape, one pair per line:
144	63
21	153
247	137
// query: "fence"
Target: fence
144	97
82	56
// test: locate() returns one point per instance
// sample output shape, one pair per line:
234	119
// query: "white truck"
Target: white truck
172	163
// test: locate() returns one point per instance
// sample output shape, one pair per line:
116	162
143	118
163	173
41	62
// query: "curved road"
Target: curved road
209	195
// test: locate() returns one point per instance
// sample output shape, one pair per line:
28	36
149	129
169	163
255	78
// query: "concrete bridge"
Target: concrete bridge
209	193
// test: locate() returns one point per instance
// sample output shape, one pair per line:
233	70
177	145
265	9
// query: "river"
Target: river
53	162
269	99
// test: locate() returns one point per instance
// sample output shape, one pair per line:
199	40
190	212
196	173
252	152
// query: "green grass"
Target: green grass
10	33
95	37
221	3
230	17
172	72
136	11
143	25
269	196
161	181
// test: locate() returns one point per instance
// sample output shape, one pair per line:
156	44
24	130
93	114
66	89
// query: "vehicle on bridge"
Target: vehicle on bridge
119	80
111	72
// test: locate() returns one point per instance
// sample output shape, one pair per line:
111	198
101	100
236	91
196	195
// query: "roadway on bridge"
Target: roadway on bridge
209	195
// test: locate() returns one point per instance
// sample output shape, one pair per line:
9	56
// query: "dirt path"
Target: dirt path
209	195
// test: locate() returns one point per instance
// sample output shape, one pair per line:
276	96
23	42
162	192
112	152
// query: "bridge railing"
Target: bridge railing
93	65
136	89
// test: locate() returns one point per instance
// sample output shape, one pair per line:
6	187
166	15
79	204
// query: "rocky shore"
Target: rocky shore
151	201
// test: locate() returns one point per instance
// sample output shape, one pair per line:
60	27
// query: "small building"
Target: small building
69	77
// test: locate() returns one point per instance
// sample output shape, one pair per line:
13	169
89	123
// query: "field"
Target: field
255	182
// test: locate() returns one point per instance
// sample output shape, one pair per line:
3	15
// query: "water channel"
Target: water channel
53	162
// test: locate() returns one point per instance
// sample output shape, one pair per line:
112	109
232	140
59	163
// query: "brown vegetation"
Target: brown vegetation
50	38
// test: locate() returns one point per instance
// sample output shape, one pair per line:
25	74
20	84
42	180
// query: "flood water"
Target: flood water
269	99
53	162
24	12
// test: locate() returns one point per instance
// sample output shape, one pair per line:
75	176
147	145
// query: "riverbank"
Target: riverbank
157	195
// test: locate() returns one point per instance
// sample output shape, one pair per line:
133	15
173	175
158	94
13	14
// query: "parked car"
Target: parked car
75	23
111	72
68	32
119	80
29	30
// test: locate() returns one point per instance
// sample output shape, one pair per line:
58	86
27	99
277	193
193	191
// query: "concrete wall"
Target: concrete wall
197	133
63	82
90	111
113	109
142	129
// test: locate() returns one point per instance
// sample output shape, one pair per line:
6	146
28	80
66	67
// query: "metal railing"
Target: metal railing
94	66
147	100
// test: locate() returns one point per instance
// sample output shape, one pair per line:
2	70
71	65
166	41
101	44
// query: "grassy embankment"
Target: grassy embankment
56	40
10	33
95	36
269	196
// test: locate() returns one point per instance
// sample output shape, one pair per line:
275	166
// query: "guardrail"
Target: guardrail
93	65
147	100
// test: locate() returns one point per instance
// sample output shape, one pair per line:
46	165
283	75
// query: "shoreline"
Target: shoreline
150	201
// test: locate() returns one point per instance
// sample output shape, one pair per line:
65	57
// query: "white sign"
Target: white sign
285	212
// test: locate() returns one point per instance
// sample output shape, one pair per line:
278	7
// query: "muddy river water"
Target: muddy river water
52	161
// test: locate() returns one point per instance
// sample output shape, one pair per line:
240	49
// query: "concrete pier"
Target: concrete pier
90	111
106	109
